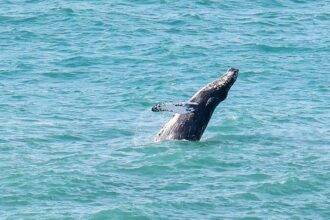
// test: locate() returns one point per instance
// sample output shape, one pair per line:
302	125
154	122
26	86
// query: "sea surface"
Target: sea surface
78	80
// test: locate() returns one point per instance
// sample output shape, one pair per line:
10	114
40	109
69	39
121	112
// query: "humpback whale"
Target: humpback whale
191	117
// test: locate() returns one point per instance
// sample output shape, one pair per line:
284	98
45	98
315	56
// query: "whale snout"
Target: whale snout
235	70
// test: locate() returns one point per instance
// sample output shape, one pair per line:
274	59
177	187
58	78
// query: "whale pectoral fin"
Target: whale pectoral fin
180	108
191	106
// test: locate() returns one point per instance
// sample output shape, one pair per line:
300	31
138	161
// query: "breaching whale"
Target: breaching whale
192	117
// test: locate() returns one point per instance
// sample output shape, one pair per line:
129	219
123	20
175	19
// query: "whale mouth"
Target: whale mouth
233	71
231	75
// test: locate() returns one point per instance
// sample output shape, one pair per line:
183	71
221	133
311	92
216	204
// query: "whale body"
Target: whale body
193	116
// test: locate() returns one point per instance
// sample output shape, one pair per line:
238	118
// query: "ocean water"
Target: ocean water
78	80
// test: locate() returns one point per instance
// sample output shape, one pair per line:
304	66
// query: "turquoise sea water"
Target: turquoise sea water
77	82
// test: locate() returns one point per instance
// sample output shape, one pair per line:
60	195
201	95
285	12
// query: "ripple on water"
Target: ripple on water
292	186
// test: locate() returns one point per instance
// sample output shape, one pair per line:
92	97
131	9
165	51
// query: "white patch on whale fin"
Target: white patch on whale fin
179	108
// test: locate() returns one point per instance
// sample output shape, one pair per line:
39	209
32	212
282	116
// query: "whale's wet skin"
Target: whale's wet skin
190	125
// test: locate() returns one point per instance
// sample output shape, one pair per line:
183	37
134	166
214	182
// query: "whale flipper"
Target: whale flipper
180	108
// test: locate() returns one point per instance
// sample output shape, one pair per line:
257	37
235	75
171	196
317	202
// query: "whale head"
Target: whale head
215	92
